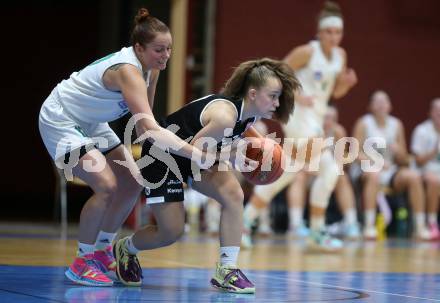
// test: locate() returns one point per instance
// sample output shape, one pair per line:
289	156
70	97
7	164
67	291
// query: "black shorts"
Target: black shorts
163	183
391	182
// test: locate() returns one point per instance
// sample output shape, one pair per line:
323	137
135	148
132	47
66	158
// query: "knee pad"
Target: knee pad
325	182
328	169
267	192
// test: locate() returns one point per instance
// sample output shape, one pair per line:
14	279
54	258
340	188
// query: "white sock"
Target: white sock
250	214
419	220
432	219
104	239
229	255
132	250
370	217
317	223
265	218
85	249
296	217
350	217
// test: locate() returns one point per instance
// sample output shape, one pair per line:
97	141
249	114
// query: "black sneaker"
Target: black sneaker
128	269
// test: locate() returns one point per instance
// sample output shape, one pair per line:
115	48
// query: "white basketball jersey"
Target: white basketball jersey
424	140
318	80
388	133
84	96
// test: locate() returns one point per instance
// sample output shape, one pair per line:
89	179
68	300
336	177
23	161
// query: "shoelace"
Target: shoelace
109	254
93	267
124	256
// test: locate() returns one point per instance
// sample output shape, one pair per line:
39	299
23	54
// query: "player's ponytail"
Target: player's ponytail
330	9
254	74
141	16
146	27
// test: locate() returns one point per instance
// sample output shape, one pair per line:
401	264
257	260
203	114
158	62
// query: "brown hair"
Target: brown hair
255	73
146	27
330	9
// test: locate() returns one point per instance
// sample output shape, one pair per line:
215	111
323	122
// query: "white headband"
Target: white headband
331	21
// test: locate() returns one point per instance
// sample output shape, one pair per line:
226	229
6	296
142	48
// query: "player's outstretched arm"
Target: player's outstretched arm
128	79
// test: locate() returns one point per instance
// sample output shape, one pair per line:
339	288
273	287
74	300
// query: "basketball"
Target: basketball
269	155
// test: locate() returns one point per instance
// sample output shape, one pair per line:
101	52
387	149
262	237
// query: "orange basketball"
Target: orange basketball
269	155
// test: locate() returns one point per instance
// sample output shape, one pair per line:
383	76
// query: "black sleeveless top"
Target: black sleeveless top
189	119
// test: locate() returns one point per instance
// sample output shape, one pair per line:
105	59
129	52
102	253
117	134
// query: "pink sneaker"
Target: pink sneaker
435	232
84	271
106	259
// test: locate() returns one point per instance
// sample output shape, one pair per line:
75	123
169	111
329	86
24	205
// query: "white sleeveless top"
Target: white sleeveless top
317	79
424	139
389	134
84	96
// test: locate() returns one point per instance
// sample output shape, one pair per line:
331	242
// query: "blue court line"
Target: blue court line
47	284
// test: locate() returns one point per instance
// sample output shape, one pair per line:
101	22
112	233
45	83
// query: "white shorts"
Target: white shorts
61	134
433	168
306	126
385	176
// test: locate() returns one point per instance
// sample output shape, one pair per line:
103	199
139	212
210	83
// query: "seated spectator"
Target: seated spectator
425	146
394	173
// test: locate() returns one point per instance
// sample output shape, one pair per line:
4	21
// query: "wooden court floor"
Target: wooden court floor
32	264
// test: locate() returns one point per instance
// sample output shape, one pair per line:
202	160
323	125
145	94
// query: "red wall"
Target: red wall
393	45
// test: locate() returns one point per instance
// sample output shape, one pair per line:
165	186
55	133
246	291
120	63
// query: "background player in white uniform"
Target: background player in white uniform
380	124
321	69
73	125
425	144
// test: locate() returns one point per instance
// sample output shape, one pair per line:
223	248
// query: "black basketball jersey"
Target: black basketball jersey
189	118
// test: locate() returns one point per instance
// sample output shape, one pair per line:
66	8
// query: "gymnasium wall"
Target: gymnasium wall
393	45
43	42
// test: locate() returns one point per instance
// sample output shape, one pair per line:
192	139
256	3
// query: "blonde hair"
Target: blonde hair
254	74
330	9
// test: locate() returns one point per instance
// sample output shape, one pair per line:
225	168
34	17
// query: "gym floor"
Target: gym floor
33	259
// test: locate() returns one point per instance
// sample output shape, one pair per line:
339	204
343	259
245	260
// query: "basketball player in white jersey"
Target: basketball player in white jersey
394	174
73	125
321	68
425	145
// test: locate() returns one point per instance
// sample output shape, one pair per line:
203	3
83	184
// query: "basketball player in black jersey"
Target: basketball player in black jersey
257	89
